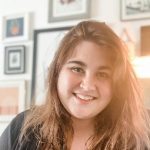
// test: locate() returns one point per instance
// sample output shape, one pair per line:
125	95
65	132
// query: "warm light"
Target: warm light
142	66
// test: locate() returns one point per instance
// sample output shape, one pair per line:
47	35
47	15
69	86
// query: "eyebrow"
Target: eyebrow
84	65
77	62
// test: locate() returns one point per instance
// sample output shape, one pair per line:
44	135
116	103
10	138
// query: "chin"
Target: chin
83	117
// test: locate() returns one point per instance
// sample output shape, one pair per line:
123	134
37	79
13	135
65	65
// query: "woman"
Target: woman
93	99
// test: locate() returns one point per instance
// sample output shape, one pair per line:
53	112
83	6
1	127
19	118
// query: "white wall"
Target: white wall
103	10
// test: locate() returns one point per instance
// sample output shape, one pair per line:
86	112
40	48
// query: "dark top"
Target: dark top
9	139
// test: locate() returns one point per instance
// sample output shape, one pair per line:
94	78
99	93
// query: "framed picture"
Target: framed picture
15	27
144	40
12	99
46	42
61	10
14	59
137	9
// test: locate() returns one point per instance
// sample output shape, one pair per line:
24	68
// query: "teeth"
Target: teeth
85	97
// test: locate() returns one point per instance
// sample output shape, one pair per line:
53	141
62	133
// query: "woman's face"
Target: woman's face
85	81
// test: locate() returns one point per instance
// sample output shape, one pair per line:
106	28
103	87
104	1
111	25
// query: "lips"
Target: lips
84	97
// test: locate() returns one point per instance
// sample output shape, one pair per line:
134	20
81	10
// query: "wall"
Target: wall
103	10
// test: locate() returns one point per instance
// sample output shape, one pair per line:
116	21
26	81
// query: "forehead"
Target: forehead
91	52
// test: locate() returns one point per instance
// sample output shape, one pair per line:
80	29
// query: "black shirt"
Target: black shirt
9	139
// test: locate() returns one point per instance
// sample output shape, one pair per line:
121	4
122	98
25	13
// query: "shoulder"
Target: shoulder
11	133
17	122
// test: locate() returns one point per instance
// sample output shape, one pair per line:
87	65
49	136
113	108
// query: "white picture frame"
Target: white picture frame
12	99
16	27
62	10
137	9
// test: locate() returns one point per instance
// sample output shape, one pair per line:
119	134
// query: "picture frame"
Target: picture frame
62	10
16	27
144	40
137	9
46	41
14	62
12	95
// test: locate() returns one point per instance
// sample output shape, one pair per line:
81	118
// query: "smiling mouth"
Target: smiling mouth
84	97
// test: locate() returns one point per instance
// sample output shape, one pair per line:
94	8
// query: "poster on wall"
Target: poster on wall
12	99
15	27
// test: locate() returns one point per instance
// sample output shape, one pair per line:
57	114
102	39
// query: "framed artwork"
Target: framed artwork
15	27
137	9
12	99
14	59
144	39
46	42
61	10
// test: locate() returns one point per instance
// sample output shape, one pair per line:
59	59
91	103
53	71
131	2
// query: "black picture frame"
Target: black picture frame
48	38
14	62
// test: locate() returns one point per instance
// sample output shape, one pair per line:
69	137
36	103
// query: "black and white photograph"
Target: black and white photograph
135	9
60	10
14	59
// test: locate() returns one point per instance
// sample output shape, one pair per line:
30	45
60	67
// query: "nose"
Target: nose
88	83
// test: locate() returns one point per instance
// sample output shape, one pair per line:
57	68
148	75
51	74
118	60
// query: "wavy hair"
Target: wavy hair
124	124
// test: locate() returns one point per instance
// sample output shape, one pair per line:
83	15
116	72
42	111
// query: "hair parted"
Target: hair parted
123	125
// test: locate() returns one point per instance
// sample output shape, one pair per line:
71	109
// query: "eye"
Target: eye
103	75
77	69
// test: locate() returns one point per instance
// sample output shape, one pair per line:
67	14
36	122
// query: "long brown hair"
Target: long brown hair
124	124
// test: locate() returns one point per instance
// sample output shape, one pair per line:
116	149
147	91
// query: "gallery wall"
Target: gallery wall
108	11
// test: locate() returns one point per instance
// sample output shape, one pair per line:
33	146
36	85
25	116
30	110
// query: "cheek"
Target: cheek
106	89
66	81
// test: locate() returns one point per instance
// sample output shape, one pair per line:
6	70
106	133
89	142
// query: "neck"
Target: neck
83	130
81	126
